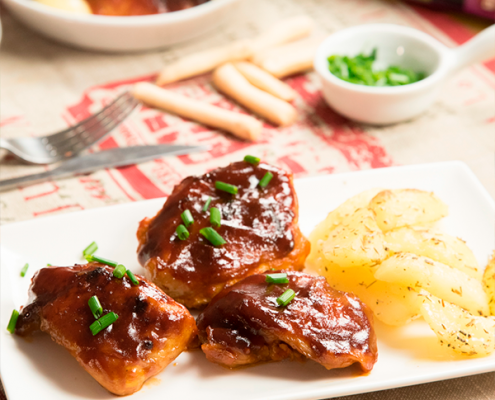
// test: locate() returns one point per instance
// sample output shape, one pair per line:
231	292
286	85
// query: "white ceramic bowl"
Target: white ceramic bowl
397	45
120	34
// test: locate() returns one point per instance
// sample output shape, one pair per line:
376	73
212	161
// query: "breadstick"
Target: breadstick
265	81
283	32
205	61
288	59
241	125
230	81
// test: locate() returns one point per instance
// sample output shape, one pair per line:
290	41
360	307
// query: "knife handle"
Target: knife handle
32	179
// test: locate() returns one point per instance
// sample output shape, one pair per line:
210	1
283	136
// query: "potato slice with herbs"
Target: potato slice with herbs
458	329
391	303
438	246
356	241
439	279
335	217
489	283
405	207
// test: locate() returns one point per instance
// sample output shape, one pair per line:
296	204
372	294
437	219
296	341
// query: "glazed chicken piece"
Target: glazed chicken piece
244	324
151	329
139	7
258	224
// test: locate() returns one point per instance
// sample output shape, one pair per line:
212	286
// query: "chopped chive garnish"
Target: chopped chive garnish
119	271
286	297
95	306
252	160
103	322
226	187
13	321
49	265
102	260
215	217
24	270
88	251
266	179
207	204
360	70
132	278
212	236
182	232
187	218
277	278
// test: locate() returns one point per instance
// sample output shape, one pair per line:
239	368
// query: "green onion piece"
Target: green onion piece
132	278
207	204
90	249
286	297
215	217
277	278
119	271
212	236
24	270
252	160
95	306
13	321
49	265
102	260
103	322
400	79
266	180
226	187
187	218
182	232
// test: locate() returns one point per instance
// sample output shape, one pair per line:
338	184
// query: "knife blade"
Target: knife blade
104	159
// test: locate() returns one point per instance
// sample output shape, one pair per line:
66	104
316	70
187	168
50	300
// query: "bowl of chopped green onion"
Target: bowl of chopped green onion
383	74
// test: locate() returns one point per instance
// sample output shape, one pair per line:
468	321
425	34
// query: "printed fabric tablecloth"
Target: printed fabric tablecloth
46	86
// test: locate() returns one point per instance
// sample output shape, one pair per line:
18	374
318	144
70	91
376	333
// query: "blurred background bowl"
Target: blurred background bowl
120	34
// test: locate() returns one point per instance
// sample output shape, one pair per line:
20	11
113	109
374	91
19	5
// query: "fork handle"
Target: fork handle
26	180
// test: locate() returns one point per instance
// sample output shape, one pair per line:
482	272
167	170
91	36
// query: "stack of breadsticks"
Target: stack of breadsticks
248	71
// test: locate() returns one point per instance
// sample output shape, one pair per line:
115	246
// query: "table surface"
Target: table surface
45	86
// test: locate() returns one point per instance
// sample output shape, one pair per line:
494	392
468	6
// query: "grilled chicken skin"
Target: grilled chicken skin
151	329
244	324
258	224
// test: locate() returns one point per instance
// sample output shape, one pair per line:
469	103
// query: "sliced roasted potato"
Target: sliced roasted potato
438	246
356	241
405	207
336	216
489	283
439	279
391	303
457	328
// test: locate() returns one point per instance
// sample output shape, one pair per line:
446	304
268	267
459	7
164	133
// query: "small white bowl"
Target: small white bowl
120	34
396	45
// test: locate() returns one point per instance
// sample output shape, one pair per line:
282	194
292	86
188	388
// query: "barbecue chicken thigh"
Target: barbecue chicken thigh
258	224
245	324
151	329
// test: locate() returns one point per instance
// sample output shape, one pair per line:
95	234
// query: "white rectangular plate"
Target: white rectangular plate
408	355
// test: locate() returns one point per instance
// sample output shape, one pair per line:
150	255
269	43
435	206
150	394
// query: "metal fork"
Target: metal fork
71	141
